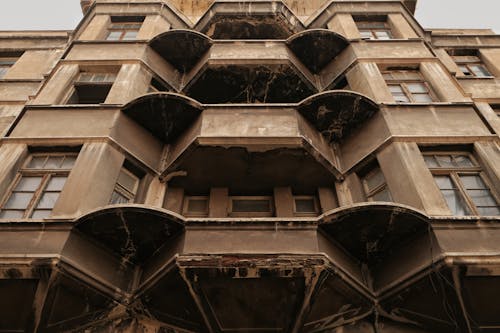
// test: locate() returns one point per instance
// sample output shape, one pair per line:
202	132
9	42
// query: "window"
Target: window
8	59
304	205
196	206
251	206
469	63
375	186
91	88
126	187
37	186
408	86
463	185
496	108
156	86
124	27
373	28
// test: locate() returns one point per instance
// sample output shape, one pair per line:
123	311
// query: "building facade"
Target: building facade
250	166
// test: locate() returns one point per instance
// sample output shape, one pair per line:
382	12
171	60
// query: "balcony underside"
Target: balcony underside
215	278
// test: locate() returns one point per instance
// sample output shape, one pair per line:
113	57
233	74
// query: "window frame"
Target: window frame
45	174
78	83
370	193
306	197
268	198
185	206
124	25
454	174
467	61
121	190
373	30
404	85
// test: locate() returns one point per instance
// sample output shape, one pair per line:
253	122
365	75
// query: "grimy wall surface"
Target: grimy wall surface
250	166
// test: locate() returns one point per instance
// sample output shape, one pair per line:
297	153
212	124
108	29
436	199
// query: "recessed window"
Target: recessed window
373	27
462	183
37	186
126	187
408	86
469	63
156	86
196	206
251	206
91	88
375	186
305	205
124	27
496	108
7	60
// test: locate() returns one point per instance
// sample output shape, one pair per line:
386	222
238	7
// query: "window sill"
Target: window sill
461	77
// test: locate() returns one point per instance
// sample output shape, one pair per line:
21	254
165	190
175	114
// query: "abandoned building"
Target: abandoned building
295	166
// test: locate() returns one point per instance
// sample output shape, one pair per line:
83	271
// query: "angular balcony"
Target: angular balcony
249	20
337	113
165	115
249	72
132	232
316	48
181	48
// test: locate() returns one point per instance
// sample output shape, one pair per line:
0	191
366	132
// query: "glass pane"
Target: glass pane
400	98
472	182
464	70
383	195
444	182
54	162
395	89
86	77
489	211
3	71
69	162
29	184
197	205
417	87
242	205
431	161
130	35
48	200
41	214
11	214
114	35
127	180
422	98
374	179
479	70
445	161
305	205
383	35
118	198
365	34
463	161
455	202
37	162
56	183
482	198
18	200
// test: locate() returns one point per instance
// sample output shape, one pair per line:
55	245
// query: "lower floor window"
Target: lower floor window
37	186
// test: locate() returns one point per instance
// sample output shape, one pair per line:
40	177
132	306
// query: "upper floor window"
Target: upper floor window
156	86
469	63
7	59
408	86
126	187
37	186
375	186
373	27
463	185
91	88
124	27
